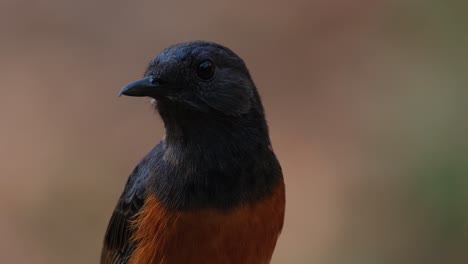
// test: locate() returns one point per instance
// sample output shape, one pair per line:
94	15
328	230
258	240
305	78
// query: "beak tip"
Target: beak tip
122	92
139	88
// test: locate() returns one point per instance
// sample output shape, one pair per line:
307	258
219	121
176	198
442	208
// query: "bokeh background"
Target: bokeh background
366	101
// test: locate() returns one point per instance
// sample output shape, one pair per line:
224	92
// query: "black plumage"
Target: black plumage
216	152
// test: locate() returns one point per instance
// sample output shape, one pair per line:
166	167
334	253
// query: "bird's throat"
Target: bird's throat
214	163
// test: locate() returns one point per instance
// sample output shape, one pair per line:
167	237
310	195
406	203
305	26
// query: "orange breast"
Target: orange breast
246	234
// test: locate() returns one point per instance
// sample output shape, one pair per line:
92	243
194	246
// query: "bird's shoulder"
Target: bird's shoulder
117	243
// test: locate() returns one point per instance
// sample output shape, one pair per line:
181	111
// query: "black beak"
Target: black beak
148	86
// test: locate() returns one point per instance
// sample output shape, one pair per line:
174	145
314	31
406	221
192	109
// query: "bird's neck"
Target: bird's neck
193	130
223	161
215	138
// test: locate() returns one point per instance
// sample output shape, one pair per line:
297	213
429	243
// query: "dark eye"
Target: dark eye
206	69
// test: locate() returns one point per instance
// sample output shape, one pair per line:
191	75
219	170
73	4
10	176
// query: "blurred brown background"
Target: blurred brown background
366	101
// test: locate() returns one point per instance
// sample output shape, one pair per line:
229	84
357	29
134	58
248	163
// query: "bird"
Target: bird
212	189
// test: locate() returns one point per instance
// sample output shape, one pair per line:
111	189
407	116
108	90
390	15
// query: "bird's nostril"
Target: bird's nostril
156	81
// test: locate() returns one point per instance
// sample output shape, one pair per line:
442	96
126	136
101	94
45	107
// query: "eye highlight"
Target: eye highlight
206	69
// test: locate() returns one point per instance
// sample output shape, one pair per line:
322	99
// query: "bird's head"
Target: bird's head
200	77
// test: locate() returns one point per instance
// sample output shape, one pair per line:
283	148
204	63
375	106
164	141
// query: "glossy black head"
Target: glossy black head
198	76
216	152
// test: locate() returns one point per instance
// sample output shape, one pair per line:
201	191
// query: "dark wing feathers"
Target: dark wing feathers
117	245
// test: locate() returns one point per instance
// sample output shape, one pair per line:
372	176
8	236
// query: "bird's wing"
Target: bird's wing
117	243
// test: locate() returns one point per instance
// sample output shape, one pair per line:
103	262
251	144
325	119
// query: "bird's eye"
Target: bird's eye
206	69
